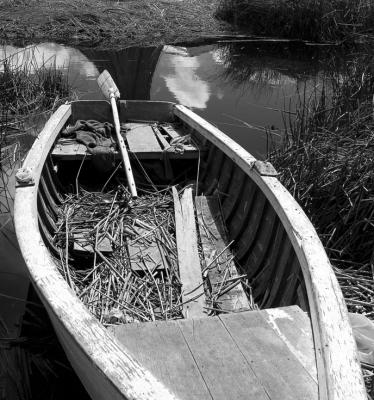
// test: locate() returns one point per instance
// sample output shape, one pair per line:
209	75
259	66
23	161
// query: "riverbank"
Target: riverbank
109	24
337	21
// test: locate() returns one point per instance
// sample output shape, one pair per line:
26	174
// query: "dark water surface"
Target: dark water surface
241	88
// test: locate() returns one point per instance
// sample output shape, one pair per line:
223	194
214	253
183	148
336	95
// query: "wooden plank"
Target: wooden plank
164	143
141	139
214	241
175	133
264	237
293	326
229	202
246	210
225	371
281	373
225	176
339	371
81	244
188	256
252	224
70	151
161	348
260	282
279	285
172	131
144	251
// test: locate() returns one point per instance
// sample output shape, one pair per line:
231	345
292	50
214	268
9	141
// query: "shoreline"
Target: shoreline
110	24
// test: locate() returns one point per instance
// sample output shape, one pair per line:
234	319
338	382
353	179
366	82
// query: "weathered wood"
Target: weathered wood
82	245
45	215
229	202
188	256
339	371
293	326
144	251
211	178
162	349
263	238
107	365
260	283
247	212
278	369
226	372
163	142
225	175
228	357
253	223
49	199
137	110
284	296
51	181
142	139
214	241
70	151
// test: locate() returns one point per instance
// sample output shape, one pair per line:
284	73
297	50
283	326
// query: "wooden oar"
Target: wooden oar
110	91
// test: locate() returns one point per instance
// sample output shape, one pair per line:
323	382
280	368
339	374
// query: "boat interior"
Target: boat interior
256	342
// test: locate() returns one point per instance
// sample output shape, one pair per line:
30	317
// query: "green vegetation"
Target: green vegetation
315	20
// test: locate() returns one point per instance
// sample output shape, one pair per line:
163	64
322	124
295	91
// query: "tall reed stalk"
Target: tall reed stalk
327	161
27	88
316	20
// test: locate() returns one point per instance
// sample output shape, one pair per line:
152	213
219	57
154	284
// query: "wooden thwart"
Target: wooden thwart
141	139
188	256
214	242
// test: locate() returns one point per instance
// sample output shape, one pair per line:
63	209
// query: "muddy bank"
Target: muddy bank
109	24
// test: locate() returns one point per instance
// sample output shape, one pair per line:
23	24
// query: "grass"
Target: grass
26	90
327	163
109	24
314	20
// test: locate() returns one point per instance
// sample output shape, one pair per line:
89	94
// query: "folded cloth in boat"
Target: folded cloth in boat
96	136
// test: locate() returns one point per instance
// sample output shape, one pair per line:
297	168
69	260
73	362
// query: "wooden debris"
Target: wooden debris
134	260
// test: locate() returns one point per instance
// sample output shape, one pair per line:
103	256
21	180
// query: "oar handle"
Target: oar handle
122	148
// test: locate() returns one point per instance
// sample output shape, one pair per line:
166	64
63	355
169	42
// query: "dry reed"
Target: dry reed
315	20
104	23
327	163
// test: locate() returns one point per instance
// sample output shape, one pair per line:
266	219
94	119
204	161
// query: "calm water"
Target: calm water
241	88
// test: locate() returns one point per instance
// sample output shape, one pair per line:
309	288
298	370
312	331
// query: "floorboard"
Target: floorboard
188	256
252	355
214	241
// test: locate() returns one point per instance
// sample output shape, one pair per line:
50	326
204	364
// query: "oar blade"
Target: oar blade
107	85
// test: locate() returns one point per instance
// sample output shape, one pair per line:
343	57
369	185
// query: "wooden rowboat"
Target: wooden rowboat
297	345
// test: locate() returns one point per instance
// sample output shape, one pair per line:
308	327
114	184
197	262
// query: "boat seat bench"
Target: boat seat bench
144	140
265	354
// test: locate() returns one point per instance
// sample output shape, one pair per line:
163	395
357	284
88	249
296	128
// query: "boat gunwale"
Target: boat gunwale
339	372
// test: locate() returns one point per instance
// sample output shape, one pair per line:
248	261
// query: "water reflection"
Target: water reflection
240	88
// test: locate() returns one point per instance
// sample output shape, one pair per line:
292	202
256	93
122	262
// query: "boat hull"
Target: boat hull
275	242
